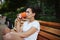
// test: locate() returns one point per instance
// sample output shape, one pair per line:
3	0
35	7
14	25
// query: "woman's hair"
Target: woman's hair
35	10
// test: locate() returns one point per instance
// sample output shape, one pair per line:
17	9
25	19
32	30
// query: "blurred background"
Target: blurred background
50	9
47	14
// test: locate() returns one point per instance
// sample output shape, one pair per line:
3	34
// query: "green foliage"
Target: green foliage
12	7
49	18
12	15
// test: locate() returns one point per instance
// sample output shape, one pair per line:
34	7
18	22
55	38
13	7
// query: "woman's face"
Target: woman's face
29	13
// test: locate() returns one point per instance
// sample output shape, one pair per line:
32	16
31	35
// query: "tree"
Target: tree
12	5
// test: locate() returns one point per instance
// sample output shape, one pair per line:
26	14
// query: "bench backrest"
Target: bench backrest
49	31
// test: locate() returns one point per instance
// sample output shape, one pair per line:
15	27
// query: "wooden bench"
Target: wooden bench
49	31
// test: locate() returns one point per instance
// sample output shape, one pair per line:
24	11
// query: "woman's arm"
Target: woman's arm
18	25
28	33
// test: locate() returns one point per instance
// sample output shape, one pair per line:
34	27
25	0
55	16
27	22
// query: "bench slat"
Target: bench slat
52	24
41	38
49	36
51	30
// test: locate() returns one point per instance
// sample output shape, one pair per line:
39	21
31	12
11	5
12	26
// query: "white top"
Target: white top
27	26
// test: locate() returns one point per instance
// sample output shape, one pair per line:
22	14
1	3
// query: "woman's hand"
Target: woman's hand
17	24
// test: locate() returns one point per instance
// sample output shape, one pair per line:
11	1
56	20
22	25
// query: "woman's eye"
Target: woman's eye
27	11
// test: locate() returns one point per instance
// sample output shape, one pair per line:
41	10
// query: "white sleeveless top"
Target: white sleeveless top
27	26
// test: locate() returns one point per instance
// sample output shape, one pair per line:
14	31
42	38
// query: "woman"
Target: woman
30	28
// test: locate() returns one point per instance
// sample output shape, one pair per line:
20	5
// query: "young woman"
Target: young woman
30	28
